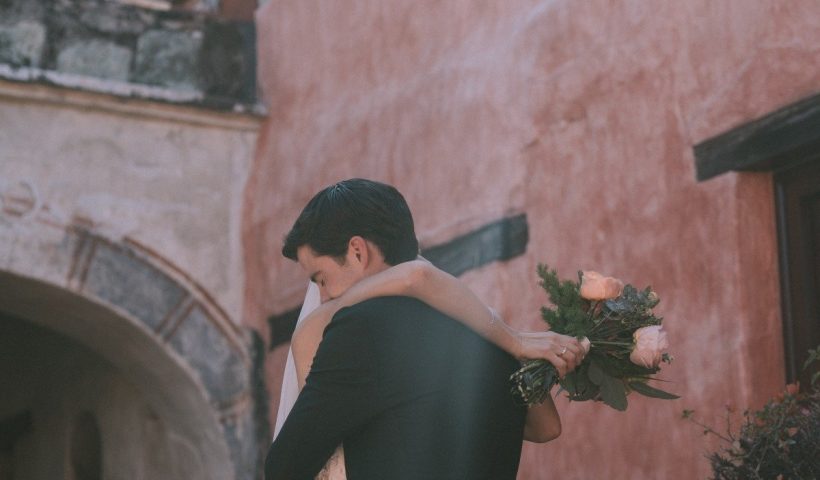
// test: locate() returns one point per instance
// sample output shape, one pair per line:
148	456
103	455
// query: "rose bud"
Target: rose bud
595	286
649	345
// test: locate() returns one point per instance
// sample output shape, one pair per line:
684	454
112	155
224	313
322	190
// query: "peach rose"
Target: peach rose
650	342
595	286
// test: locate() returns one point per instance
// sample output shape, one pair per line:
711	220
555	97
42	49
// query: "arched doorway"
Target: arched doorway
116	366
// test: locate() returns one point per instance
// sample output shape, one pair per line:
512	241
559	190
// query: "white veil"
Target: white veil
290	385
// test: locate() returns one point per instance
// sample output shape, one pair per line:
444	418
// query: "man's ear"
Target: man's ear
357	249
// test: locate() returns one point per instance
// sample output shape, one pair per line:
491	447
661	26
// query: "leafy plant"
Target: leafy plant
780	441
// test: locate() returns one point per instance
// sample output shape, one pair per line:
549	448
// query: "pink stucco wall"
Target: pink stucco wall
581	114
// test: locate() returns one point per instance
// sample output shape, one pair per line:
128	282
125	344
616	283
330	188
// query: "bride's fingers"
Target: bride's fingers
585	344
572	354
551	345
569	347
560	364
571	359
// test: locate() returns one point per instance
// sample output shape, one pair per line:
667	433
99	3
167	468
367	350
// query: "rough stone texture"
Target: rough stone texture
96	58
218	363
247	448
225	69
168	59
583	115
261	414
14	11
187	49
209	5
22	44
112	19
211	374
145	177
127	282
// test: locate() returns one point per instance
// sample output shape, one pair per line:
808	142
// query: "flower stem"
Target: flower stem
601	342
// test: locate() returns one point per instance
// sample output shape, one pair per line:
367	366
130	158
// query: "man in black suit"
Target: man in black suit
411	393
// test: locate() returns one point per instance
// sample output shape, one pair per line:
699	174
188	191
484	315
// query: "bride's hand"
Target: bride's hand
562	351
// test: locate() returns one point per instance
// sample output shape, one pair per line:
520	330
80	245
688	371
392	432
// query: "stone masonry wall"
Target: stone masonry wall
185	51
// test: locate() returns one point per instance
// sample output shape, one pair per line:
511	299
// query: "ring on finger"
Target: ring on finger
563	351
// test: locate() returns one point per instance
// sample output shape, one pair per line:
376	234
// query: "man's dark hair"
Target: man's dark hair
372	210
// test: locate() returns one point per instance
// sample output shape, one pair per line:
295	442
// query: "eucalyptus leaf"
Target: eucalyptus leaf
596	374
591	392
648	391
570	383
613	393
579	386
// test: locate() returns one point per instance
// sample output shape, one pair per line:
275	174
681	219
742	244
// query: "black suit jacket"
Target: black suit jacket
411	393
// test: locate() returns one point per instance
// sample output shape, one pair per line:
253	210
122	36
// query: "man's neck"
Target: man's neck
376	267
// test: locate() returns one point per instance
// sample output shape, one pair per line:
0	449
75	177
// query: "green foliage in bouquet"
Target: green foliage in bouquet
779	441
607	374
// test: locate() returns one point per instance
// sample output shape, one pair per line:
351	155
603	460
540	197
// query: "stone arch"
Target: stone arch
149	320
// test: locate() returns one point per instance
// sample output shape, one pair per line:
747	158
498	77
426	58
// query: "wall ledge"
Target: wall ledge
768	143
75	91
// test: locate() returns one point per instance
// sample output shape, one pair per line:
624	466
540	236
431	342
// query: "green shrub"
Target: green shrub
781	441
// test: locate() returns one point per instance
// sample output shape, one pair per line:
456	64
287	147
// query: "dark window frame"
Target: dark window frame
785	143
797	190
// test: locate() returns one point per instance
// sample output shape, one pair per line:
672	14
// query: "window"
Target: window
797	192
787	143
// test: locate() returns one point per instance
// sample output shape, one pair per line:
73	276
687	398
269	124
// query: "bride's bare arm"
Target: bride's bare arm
442	291
543	423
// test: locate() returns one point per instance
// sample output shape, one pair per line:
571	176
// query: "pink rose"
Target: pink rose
650	342
595	286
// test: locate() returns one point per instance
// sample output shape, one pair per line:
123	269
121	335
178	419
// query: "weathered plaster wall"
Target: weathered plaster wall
150	174
581	114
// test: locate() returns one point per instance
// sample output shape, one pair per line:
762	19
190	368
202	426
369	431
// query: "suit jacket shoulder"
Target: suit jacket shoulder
443	403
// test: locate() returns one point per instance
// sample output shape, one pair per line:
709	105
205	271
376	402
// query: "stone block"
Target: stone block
227	61
117	19
247	451
96	58
22	44
130	284
13	11
168	58
208	351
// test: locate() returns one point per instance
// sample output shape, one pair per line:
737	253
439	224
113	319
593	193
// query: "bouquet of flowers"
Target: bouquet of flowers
627	341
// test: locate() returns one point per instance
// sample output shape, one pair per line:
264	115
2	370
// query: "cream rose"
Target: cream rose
650	342
595	286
